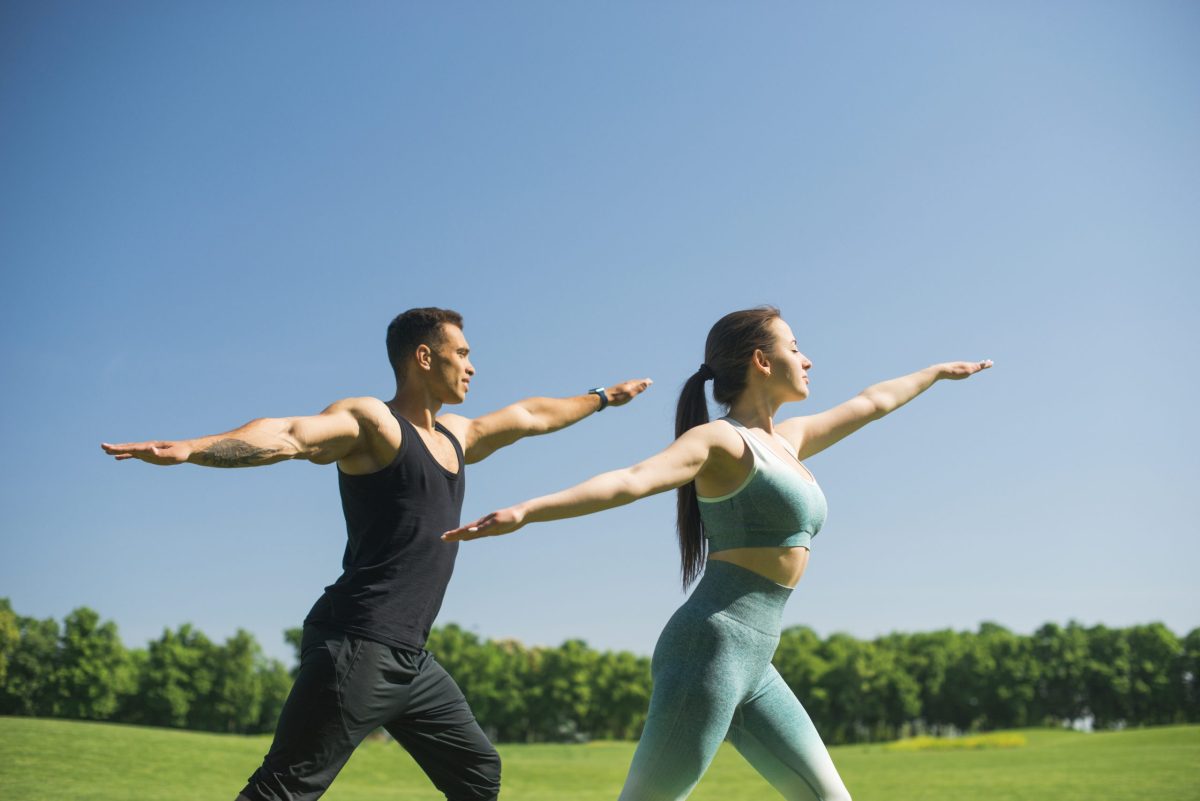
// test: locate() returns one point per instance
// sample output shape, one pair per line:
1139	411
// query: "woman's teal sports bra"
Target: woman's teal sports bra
774	506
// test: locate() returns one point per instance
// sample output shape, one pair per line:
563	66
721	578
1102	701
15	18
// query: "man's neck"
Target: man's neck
417	406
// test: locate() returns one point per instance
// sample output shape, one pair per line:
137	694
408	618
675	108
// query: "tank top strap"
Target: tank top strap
462	459
757	446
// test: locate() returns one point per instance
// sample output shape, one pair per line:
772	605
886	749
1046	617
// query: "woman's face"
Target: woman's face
789	367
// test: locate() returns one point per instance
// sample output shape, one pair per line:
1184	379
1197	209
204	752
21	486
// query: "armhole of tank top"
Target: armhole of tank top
458	450
404	438
749	476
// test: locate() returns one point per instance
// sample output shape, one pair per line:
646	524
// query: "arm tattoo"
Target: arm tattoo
233	453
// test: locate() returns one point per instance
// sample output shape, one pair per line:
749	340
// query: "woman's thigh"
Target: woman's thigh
696	691
775	735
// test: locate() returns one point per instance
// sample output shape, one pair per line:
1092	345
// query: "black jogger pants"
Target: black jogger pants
346	688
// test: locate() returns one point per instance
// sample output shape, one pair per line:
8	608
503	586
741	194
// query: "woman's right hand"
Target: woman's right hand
956	371
504	521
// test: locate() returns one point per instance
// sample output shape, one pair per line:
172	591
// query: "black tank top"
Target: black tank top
396	566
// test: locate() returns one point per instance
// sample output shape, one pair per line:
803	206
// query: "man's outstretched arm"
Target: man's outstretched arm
484	435
321	438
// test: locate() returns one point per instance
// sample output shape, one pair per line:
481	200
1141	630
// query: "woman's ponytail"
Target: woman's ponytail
691	412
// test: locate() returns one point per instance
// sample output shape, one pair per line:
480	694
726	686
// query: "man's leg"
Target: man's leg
438	729
315	735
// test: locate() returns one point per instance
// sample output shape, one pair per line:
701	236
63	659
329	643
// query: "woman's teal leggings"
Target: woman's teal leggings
713	678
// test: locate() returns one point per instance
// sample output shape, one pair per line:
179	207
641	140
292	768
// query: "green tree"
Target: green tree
932	660
1156	692
898	689
858	685
178	672
1189	674
10	636
30	687
233	702
966	683
620	696
93	668
1107	679
1007	694
1062	655
562	707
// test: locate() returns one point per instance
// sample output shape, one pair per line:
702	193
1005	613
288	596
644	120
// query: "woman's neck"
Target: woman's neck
754	409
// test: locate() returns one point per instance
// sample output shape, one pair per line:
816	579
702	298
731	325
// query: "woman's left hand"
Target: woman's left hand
959	370
504	521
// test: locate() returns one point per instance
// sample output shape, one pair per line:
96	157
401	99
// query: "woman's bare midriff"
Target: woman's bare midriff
781	565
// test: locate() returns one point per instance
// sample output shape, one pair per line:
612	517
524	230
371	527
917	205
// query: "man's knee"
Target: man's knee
481	782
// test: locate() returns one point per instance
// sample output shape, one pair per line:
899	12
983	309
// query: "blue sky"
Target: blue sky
209	213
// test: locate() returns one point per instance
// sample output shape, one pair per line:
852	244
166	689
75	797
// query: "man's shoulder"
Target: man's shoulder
361	405
379	434
371	413
457	425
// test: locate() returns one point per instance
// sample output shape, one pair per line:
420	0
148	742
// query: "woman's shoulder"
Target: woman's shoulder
720	435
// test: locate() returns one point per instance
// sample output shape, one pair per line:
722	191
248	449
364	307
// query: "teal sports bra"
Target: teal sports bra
774	506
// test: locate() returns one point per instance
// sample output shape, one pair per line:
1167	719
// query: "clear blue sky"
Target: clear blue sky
209	213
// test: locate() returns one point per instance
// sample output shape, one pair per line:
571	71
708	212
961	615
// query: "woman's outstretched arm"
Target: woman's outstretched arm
816	432
677	464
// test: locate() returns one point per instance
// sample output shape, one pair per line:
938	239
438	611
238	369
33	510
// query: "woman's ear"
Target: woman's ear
761	363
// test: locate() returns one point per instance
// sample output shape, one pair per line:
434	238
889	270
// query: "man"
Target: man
401	476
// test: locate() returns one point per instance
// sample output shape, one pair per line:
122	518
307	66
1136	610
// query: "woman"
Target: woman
747	512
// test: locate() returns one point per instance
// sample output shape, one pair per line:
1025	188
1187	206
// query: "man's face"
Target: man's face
451	365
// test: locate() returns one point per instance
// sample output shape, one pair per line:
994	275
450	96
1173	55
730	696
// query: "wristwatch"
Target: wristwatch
603	397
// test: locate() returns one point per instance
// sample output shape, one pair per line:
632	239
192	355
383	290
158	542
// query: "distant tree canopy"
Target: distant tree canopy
82	670
855	690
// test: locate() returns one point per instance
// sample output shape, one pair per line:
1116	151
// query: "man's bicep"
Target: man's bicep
331	435
489	433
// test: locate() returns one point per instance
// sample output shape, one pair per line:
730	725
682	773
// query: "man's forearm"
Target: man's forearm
259	442
552	414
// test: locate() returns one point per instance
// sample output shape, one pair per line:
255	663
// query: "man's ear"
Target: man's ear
424	356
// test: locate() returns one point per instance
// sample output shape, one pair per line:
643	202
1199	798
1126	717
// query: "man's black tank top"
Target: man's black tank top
396	566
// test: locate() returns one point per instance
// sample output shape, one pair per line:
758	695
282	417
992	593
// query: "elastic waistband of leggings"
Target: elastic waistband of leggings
742	594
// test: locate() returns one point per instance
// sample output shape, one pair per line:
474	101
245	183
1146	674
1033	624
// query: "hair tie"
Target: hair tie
705	372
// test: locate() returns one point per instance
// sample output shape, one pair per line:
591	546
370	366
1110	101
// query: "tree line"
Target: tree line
82	670
855	690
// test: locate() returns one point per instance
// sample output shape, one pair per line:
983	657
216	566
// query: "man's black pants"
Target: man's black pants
346	688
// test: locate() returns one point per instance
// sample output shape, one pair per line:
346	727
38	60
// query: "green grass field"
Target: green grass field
56	760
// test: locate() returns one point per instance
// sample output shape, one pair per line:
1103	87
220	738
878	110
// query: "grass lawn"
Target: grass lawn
54	759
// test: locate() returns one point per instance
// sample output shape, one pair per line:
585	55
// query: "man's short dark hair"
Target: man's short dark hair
416	327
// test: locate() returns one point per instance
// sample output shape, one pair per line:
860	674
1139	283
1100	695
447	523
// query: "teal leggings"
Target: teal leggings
713	679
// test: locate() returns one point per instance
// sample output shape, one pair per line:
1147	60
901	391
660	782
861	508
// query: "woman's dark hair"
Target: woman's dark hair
416	327
727	352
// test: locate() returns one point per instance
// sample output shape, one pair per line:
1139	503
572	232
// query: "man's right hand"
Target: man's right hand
623	393
164	453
